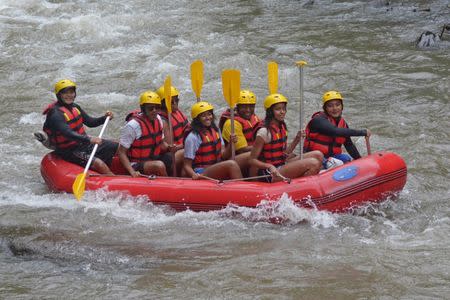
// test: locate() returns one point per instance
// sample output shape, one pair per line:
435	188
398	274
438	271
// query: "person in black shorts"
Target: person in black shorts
64	126
142	148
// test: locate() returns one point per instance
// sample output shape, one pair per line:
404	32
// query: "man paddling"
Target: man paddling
64	126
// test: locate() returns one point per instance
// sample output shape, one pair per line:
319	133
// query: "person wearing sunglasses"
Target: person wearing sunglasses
142	149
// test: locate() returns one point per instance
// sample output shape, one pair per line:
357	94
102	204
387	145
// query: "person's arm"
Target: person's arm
123	157
191	146
57	122
166	130
262	137
187	166
322	125
226	149
91	121
166	146
294	143
127	137
241	144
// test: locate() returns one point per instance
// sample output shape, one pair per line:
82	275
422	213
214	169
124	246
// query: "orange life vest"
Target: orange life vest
179	125
210	150
328	145
273	152
248	126
73	119
148	146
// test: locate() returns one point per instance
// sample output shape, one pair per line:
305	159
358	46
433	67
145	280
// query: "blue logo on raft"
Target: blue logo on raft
345	173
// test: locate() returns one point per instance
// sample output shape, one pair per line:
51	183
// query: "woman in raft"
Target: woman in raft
327	132
204	151
270	154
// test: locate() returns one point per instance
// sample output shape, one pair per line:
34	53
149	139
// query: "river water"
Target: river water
114	246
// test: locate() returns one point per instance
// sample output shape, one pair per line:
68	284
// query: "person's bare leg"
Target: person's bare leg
300	168
228	169
99	166
155	167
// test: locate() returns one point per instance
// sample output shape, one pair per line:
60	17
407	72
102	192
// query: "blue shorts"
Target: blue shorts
344	157
199	170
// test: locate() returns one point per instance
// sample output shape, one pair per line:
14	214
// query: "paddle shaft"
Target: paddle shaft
168	101
232	133
88	165
302	113
368	145
174	165
231	85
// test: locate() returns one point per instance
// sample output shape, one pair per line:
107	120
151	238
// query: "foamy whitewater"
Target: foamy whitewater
112	245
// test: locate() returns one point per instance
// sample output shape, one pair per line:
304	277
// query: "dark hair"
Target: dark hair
269	117
197	126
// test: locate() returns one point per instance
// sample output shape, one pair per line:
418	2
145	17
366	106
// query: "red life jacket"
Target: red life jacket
132	114
73	119
210	150
248	126
328	145
179	125
273	152
148	146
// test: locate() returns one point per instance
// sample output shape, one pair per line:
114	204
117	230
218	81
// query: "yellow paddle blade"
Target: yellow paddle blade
231	86
197	77
168	94
272	77
301	63
79	185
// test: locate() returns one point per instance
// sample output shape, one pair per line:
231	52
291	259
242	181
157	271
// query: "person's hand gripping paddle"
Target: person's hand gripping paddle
80	181
231	87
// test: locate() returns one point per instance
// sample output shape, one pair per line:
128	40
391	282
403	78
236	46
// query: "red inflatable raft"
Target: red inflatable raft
369	179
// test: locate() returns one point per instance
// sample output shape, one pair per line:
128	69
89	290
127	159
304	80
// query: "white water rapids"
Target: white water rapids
114	246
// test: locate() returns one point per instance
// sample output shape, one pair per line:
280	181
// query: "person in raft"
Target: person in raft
327	131
142	140
64	126
270	154
245	122
204	150
179	122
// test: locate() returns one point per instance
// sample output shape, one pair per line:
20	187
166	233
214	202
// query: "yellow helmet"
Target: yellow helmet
200	107
274	99
173	91
149	97
62	84
331	95
246	97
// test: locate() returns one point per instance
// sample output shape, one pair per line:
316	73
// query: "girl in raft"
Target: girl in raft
269	153
204	150
327	132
